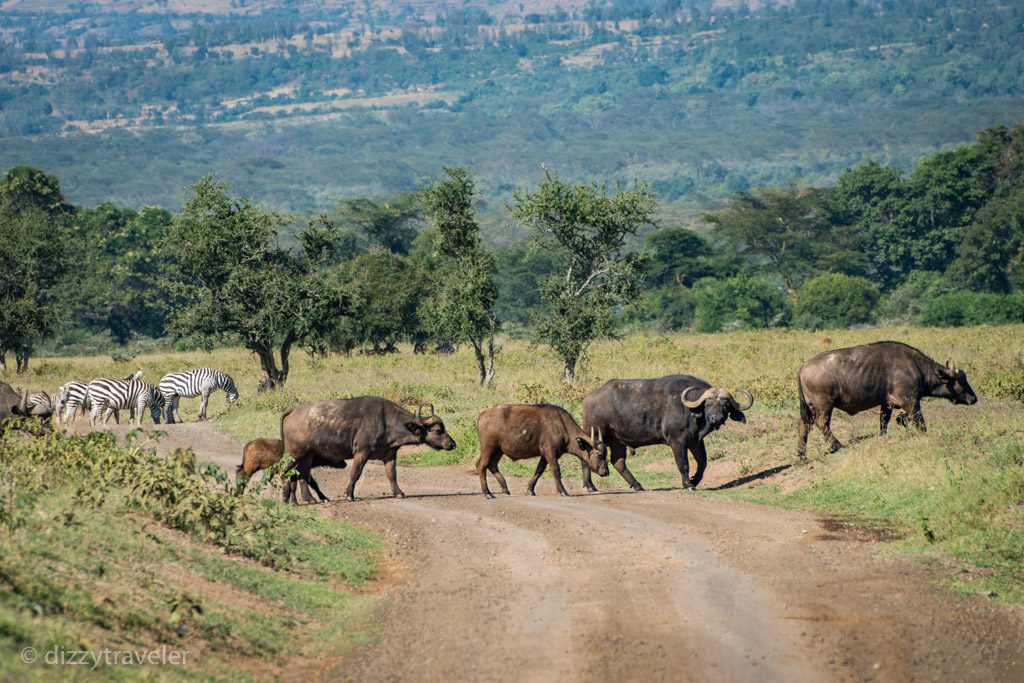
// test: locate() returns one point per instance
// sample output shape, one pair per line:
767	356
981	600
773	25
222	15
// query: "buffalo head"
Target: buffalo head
954	385
716	406
431	430
595	451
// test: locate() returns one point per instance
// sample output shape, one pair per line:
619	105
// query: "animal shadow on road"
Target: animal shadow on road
763	474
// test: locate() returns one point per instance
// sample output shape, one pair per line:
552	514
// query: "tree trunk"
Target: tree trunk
268	366
485	362
21	360
569	374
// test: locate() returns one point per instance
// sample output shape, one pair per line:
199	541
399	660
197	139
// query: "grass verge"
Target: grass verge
108	553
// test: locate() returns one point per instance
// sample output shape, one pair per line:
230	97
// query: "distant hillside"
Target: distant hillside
302	104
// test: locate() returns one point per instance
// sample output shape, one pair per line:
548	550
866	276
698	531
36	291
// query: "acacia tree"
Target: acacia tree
33	215
462	309
783	231
240	285
590	226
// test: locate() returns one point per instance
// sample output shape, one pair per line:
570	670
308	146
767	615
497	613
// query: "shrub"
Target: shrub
737	303
835	300
973	308
904	303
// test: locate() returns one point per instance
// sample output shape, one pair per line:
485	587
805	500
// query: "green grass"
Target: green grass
93	569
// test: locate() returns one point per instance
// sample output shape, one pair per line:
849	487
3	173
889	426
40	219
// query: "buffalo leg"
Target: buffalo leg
682	464
619	462
700	456
542	464
316	489
917	417
358	462
556	472
499	476
588	483
390	470
482	465
884	415
304	475
825	425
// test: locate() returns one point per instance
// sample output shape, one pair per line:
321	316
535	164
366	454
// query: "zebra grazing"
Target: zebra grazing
192	383
74	395
71	397
110	395
41	399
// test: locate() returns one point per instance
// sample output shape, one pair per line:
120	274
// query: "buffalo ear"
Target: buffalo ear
738	416
415	427
584	444
943	373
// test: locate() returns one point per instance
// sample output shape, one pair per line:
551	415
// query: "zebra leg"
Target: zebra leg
203	404
174	407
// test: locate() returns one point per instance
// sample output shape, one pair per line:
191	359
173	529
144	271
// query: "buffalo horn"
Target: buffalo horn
592	436
700	399
744	406
419	411
432	409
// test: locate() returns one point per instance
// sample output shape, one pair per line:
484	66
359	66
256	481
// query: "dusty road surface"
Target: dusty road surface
654	586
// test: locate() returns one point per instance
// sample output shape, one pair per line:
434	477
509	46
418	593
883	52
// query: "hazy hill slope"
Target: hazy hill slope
301	105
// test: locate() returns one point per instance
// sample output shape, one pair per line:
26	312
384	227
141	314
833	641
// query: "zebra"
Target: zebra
74	395
109	395
41	399
192	383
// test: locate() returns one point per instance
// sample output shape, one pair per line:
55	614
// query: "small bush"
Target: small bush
737	303
834	300
958	309
904	303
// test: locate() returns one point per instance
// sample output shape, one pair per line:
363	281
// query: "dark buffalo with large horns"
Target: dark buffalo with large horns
885	375
677	410
356	429
521	431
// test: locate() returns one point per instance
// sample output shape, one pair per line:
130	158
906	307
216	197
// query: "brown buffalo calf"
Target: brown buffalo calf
262	454
523	431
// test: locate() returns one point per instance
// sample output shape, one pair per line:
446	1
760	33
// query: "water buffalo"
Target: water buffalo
262	454
357	429
522	431
677	410
885	374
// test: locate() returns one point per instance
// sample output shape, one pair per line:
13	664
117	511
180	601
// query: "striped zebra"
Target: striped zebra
192	383
110	395
74	395
40	399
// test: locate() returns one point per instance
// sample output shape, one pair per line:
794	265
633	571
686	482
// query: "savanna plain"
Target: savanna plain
897	558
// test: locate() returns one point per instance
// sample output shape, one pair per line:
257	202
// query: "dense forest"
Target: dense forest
301	104
941	245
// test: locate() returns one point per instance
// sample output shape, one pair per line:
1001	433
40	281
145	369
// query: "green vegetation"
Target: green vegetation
107	547
300	106
589	228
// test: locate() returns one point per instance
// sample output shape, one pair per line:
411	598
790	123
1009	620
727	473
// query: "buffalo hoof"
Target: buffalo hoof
489	495
563	494
638	487
531	492
350	498
400	495
591	489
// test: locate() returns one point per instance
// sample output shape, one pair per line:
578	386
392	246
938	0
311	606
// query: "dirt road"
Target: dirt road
661	585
